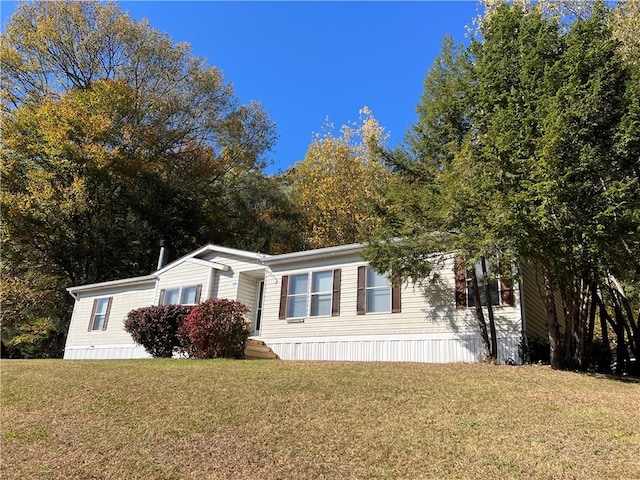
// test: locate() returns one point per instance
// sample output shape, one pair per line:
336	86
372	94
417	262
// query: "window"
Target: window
315	294
376	294
100	314
171	297
188	296
297	296
181	295
494	286
321	289
501	289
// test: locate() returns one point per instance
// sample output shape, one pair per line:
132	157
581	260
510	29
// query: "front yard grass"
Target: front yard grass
222	419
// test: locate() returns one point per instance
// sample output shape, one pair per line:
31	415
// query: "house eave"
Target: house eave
255	257
328	252
147	279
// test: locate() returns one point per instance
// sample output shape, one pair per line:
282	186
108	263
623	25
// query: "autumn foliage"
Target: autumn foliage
217	328
156	328
336	185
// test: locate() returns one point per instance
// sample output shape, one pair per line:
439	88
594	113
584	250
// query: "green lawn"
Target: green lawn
174	419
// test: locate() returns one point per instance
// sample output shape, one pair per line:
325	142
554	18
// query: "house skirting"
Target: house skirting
104	352
422	348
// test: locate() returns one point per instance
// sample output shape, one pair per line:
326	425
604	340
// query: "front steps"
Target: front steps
257	349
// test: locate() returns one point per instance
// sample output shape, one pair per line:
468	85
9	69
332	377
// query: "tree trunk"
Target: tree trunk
486	347
553	328
588	342
581	327
492	323
606	345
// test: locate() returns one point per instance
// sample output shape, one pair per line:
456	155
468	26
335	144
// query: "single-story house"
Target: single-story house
323	304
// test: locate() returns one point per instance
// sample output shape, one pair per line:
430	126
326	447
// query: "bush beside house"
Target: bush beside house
217	328
157	328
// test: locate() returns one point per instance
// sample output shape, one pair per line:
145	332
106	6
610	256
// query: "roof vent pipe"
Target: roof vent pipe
163	259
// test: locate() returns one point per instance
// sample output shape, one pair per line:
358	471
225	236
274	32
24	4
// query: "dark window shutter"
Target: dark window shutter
335	300
396	306
506	293
198	294
93	314
362	294
161	300
461	283
284	288
106	315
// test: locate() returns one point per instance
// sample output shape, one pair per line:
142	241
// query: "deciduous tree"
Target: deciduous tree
334	187
113	137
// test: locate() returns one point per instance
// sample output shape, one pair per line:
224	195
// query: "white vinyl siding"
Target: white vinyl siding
124	299
175	280
246	292
427	308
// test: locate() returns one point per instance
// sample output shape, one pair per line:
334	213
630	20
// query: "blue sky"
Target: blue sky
305	61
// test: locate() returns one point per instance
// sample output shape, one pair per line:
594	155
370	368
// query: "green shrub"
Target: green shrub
156	328
217	328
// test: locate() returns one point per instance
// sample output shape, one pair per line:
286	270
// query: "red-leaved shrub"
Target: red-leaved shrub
217	328
156	328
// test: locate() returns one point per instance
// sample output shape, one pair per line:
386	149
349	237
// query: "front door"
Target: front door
258	315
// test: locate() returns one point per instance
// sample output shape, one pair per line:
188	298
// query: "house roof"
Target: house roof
252	256
113	283
327	252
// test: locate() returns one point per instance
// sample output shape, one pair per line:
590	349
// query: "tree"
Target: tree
113	137
538	162
333	187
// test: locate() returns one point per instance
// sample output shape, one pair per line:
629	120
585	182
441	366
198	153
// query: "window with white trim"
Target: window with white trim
321	292
297	296
100	314
312	294
189	295
378	292
494	286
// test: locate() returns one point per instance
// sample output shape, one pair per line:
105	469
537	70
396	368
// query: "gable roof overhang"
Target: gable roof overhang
307	255
125	282
193	257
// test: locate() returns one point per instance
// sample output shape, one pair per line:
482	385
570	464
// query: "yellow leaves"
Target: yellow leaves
336	184
626	29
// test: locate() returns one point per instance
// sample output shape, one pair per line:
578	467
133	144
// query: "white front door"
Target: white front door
257	320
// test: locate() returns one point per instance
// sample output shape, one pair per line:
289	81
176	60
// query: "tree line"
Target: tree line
526	151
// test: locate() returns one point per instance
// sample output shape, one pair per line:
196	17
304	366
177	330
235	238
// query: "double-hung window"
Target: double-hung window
188	295
494	286
376	294
100	314
321	289
297	296
500	287
313	294
181	295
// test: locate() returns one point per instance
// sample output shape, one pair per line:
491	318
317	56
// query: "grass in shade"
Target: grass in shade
187	419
